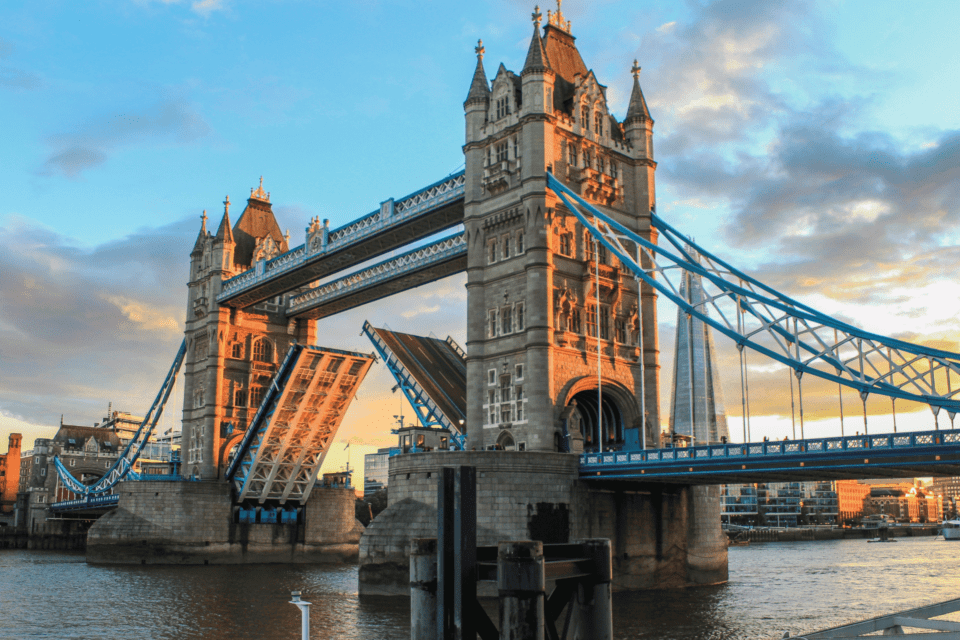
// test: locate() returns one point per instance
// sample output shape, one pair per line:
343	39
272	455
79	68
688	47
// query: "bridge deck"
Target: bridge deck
418	267
396	224
872	456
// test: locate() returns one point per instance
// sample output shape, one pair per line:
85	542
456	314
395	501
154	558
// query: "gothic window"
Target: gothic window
519	318
503	107
506	320
566	244
592	321
519	372
334	365
198	398
572	154
621	330
492	251
588	254
355	368
237	350
584	116
491	376
502	155
613	169
602	252
604	322
505	244
492	324
587	161
256	396
263	350
598	122
519	242
240	398
575	321
519	396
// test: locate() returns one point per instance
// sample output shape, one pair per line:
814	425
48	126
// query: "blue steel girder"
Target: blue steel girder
419	215
103	501
123	465
861	456
414	268
755	315
426	410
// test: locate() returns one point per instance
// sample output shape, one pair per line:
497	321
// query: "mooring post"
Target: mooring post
521	581
304	607
465	552
445	554
423	589
596	602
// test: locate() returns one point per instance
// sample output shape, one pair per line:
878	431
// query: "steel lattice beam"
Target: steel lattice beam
757	316
121	468
281	453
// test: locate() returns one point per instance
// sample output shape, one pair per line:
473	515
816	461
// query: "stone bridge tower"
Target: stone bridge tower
533	314
232	354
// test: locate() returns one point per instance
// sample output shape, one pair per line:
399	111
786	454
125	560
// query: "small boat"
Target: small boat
881	540
951	530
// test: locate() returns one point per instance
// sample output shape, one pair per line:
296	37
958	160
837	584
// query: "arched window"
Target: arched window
240	398
237	350
263	350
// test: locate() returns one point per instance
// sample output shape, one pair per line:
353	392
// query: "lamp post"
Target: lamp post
304	607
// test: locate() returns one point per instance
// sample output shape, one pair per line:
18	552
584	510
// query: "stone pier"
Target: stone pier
661	537
194	523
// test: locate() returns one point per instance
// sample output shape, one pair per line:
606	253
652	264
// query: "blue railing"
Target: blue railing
776	448
90	502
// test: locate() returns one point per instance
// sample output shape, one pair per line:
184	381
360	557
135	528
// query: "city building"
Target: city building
904	502
376	467
10	474
779	504
850	496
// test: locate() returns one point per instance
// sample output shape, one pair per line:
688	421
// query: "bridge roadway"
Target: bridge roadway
395	224
924	453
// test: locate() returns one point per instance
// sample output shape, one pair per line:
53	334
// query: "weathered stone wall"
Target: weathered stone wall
193	523
662	537
520	496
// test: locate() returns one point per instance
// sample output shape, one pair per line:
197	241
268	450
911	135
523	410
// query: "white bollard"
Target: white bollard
304	607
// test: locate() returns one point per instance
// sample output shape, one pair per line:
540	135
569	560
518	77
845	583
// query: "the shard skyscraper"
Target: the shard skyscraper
697	406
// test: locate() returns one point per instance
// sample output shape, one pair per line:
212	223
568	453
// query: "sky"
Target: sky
815	145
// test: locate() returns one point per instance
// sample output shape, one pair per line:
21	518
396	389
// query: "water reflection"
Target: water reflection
774	588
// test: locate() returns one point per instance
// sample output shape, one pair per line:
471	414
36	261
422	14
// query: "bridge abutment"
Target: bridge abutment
661	537
193	523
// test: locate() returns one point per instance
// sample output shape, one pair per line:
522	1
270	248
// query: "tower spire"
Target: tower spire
536	55
479	88
637	110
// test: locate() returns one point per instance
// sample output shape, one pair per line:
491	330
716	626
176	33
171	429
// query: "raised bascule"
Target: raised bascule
555	399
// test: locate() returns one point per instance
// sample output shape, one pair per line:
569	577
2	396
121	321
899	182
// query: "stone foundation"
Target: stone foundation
193	523
661	536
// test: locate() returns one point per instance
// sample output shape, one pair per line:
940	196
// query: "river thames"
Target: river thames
773	587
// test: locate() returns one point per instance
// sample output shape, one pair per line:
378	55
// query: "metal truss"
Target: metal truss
420	401
755	315
391	213
405	265
122	467
289	437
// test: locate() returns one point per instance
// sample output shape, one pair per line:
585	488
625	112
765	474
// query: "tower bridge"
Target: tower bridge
553	220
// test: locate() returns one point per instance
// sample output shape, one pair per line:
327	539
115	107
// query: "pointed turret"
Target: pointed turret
638	106
479	88
536	54
224	232
202	236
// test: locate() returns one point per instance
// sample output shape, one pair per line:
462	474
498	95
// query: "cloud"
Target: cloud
201	7
13	77
80	327
171	121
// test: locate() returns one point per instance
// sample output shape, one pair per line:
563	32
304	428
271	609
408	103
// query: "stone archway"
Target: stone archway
506	441
601	420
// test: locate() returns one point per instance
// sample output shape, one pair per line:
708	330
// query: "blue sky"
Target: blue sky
815	144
